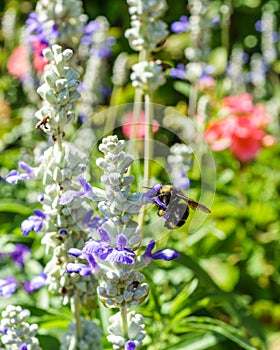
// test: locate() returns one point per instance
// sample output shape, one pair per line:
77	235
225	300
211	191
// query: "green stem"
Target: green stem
137	106
192	100
112	112
76	310
148	142
225	26
148	148
59	140
124	321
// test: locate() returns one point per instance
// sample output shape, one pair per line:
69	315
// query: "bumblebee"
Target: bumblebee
173	205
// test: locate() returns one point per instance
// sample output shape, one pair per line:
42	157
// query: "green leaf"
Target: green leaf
179	301
182	87
213	325
12	206
48	342
197	341
187	261
225	275
218	59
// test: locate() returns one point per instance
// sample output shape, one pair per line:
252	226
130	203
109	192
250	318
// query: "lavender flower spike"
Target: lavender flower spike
20	334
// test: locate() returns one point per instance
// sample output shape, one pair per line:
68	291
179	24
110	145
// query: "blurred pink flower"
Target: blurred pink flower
260	117
18	64
127	127
239	104
219	133
206	82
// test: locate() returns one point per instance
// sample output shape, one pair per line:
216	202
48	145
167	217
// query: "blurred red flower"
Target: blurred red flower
241	131
39	61
127	127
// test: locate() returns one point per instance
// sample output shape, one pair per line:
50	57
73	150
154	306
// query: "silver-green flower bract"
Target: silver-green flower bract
120	205
268	29
122	285
135	331
200	24
90	339
18	331
147	76
96	68
63	229
147	30
59	92
146	34
67	16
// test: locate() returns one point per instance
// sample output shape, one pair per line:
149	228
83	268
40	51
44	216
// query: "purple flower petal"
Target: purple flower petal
216	20
8	286
75	252
180	26
121	242
150	247
149	196
88	193
121	256
86	270
40	198
92	262
259	25
26	168
179	72
3	330
35	283
93	247
94	222
166	254
13	177
40	214
19	254
157	201
91	27
104	235
82	269
130	345
23	347
68	196
33	223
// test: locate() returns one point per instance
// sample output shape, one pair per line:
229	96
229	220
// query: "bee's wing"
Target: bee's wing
194	204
